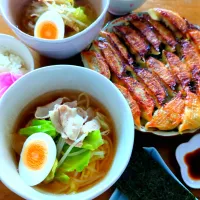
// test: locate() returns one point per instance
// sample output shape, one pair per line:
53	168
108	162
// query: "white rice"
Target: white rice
10	62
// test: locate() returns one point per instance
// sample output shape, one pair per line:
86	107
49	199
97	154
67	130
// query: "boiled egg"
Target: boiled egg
50	25
37	158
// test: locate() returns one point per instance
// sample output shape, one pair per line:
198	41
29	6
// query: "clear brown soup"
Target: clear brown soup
102	166
25	18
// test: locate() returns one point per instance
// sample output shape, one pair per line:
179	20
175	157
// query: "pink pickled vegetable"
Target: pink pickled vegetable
6	80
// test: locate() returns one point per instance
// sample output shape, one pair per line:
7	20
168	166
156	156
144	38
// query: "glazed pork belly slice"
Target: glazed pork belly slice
140	95
135	42
164	34
159	69
194	35
169	116
172	20
116	43
132	103
153	85
191	58
178	68
95	61
146	29
114	60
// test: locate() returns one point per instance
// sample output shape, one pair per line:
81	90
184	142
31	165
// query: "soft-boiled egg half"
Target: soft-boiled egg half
37	158
50	25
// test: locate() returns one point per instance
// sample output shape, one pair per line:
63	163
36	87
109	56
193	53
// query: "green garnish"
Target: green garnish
43	127
51	175
93	141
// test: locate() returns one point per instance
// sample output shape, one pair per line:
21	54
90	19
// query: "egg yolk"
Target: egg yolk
47	30
35	155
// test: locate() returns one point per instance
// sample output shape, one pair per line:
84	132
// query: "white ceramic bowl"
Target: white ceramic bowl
59	49
122	7
53	78
182	150
9	43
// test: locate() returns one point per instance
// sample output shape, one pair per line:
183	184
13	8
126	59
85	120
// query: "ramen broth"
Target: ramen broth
27	23
96	170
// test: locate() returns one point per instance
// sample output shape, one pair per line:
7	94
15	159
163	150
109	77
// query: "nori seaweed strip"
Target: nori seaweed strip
145	179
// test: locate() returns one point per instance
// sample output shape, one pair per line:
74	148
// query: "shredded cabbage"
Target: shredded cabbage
69	150
62	177
78	162
93	141
44	128
36	122
51	175
103	121
80	15
73	17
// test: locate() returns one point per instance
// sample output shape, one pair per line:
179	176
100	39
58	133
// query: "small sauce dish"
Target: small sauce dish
188	157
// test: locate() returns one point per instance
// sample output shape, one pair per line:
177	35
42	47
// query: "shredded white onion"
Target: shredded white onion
70	148
78	152
105	132
60	145
34	15
98	153
65	10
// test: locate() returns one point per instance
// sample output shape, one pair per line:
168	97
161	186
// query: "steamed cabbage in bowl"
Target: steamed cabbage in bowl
64	142
56	19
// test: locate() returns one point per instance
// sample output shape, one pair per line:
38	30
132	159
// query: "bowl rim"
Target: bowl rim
89	28
10	37
99	190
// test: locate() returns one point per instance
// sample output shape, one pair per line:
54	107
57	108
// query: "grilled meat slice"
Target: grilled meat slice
147	31
172	19
132	103
139	94
162	72
169	116
113	59
191	116
165	35
178	68
96	62
191	57
195	36
115	42
153	84
133	39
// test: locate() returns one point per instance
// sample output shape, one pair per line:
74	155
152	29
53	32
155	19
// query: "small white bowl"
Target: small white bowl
12	45
122	7
181	151
53	78
58	49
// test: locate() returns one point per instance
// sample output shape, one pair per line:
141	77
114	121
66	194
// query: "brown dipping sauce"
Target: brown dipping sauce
192	160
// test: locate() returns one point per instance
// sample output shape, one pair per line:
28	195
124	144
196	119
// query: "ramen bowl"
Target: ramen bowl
58	49
41	81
